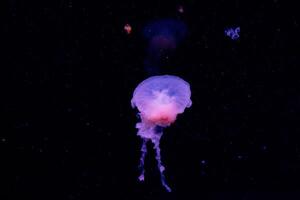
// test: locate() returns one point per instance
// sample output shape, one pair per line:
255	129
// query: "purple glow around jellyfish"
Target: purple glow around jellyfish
159	100
163	37
165	33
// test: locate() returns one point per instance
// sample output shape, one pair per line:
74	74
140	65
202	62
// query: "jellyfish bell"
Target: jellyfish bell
160	90
161	98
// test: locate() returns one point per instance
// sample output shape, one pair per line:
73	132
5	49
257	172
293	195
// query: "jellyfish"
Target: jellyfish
159	99
163	36
180	9
233	33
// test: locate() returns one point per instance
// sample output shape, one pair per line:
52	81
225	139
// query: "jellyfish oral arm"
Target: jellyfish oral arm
148	132
142	160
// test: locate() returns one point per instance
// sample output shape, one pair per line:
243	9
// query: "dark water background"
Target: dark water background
69	71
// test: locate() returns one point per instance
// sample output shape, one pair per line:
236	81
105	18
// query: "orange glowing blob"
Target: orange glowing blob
127	28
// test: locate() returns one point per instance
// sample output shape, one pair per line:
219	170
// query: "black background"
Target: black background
69	71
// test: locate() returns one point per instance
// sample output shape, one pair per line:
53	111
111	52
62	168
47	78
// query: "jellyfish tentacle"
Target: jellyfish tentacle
161	167
142	160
